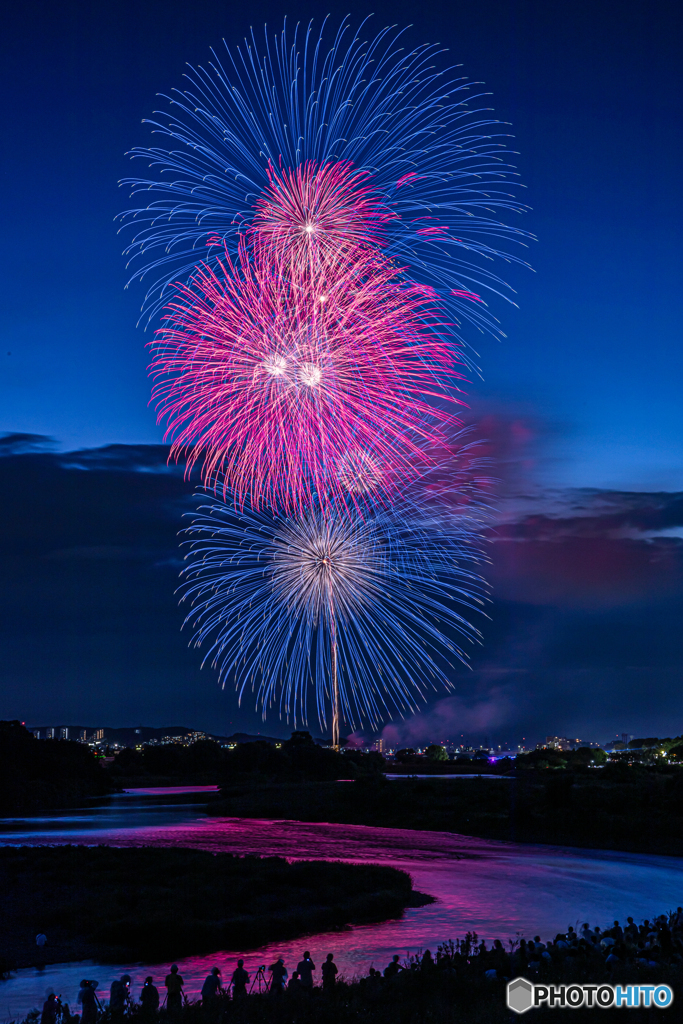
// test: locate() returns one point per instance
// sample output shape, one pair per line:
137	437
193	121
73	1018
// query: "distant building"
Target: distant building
564	743
49	733
378	745
185	740
557	743
64	732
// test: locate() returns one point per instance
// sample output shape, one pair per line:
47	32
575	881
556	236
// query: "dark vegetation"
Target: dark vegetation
646	748
150	903
299	759
546	757
169	764
435	761
618	806
296	759
42	774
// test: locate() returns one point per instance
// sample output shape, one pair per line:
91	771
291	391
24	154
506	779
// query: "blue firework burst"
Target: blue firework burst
427	156
366	612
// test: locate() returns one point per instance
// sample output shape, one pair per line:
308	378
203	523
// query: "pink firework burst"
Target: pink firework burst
313	213
333	381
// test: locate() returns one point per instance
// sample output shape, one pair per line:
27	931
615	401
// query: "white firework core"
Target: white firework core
310	374
275	366
360	473
324	567
361	603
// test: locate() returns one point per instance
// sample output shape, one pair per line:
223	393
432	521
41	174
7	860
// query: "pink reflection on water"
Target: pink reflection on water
495	889
169	790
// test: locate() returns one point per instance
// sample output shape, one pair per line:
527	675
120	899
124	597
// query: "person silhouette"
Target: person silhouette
118	995
392	969
330	972
373	981
294	983
427	962
210	988
41	939
174	988
149	996
88	1000
278	973
50	1007
305	968
240	980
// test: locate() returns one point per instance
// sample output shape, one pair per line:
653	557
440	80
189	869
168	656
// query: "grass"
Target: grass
639	810
154	904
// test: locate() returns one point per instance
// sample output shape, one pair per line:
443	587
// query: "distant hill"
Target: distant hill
130	736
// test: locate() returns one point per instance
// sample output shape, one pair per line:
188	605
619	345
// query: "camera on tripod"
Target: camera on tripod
260	980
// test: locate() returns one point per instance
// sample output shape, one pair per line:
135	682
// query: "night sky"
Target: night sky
581	403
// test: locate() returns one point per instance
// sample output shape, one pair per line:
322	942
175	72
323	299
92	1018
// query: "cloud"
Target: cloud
590	512
588	548
515	440
23	444
124	458
584	635
89	621
451	717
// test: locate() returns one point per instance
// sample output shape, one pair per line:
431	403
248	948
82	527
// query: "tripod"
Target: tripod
260	980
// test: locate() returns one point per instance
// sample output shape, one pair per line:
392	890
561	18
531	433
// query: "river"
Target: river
497	889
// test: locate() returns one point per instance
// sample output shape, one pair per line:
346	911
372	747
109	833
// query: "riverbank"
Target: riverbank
638	811
114	905
461	982
40	775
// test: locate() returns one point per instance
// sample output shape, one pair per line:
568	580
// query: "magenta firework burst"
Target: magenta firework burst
329	381
313	213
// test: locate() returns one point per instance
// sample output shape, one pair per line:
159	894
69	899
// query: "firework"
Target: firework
361	141
316	215
365	609
322	220
335	381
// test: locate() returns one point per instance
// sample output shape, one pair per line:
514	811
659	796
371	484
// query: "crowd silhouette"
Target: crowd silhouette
649	948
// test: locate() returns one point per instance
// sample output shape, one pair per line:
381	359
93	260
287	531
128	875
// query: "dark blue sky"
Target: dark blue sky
593	90
584	393
584	637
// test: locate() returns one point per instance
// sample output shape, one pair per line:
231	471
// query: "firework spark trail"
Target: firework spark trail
315	215
387	140
324	223
335	381
269	594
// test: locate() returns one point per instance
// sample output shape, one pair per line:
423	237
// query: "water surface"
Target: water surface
499	890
